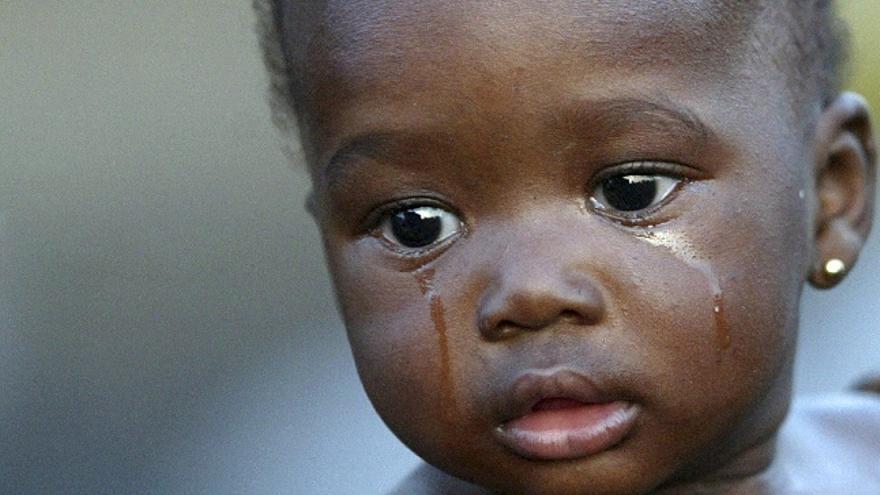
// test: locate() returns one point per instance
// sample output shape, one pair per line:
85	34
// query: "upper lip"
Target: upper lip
532	386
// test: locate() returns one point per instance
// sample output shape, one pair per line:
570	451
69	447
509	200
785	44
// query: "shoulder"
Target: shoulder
831	443
427	480
861	406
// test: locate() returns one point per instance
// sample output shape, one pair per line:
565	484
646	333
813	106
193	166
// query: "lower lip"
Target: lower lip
568	429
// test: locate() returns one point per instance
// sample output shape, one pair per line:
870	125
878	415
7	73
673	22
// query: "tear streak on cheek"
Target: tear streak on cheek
684	250
425	279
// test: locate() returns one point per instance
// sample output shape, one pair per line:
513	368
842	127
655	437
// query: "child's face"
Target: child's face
605	202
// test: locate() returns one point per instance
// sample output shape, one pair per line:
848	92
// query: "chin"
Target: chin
613	472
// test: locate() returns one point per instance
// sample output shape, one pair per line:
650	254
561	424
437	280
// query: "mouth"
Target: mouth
561	415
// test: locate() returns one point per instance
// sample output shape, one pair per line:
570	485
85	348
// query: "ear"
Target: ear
845	171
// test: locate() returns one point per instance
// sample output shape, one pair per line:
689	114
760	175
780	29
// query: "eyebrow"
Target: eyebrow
382	146
619	115
607	117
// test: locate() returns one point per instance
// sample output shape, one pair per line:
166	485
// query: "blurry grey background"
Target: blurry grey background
166	323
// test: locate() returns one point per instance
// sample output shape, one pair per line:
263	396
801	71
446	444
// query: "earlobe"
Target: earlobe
838	245
845	180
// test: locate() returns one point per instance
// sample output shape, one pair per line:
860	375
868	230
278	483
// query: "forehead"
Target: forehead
348	52
364	33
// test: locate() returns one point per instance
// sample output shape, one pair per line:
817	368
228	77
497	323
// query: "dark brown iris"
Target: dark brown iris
629	193
414	229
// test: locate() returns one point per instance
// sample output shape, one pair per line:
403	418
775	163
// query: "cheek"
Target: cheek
714	305
418	352
763	253
399	329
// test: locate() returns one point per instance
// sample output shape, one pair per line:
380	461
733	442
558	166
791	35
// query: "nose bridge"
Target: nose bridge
541	276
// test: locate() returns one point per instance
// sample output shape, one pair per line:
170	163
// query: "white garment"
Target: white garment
831	445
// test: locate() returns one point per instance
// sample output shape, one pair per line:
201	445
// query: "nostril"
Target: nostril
503	329
572	316
506	329
500	330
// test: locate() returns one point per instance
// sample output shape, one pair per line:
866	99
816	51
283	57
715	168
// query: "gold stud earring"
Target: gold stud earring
835	267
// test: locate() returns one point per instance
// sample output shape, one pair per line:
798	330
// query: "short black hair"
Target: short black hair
808	40
815	48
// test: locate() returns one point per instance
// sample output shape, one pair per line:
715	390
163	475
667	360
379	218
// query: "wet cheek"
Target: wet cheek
699	325
398	330
768	272
668	308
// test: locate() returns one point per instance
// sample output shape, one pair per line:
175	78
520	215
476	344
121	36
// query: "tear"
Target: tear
425	279
684	250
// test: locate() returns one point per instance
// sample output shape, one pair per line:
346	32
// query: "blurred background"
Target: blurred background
166	323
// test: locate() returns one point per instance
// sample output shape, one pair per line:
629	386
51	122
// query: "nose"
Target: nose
530	295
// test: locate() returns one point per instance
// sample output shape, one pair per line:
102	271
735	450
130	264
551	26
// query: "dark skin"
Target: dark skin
504	119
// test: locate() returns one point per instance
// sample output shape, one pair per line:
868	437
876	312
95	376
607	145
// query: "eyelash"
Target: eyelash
644	167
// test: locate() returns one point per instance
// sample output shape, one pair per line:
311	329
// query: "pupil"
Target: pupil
414	230
629	192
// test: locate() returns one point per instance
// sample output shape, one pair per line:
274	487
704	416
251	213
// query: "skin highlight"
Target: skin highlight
507	117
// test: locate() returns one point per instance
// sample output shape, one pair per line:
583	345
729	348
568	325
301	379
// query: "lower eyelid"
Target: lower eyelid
425	254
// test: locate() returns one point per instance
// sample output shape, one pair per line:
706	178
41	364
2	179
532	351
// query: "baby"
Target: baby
569	238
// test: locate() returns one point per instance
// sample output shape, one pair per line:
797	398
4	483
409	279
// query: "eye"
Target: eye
419	226
629	193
